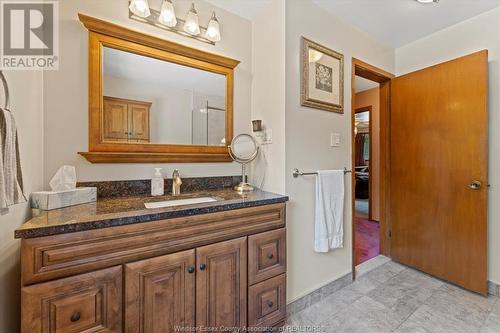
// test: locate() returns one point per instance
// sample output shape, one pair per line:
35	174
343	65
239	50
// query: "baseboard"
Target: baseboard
318	294
493	288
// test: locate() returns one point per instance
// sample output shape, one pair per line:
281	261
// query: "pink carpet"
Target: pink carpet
367	239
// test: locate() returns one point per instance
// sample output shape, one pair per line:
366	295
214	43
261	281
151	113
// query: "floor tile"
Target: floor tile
363	285
364	315
371	264
427	319
331	305
455	305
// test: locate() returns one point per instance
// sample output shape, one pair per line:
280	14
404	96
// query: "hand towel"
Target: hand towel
11	180
329	210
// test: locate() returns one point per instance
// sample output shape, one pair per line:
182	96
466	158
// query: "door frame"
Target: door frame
368	109
367	71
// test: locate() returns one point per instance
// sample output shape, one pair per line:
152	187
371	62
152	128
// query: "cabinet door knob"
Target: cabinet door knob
203	266
270	255
191	269
75	317
270	304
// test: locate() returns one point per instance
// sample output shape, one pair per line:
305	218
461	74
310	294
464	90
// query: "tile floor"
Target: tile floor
394	298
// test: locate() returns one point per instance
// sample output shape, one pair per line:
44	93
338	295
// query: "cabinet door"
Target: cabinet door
115	120
221	284
139	122
89	302
159	293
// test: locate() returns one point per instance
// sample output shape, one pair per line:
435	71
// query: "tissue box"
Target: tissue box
48	200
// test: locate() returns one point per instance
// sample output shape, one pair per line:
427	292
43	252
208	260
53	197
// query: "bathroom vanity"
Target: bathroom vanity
115	266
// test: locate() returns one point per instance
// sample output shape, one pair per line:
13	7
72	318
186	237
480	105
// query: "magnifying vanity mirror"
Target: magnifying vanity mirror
151	100
244	149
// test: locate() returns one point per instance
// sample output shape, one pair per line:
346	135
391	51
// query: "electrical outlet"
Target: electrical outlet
269	136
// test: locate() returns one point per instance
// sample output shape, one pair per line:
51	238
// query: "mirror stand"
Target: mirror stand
243	186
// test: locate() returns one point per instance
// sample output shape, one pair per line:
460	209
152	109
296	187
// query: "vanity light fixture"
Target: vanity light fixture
191	26
427	1
213	29
167	14
166	19
140	8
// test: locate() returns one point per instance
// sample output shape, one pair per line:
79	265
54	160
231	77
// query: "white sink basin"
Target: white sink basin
179	202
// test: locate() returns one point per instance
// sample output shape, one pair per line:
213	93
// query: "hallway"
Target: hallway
394	298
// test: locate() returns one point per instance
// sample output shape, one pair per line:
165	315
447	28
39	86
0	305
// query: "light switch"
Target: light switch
335	140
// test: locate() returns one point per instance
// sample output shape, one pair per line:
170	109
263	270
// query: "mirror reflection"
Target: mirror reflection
146	100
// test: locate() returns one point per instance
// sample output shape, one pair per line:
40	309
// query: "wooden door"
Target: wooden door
139	122
221	284
159	293
439	180
89	302
115	120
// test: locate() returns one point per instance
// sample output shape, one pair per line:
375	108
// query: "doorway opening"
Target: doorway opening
366	169
370	159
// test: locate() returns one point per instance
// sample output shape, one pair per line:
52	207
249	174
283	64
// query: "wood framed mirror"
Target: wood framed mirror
152	101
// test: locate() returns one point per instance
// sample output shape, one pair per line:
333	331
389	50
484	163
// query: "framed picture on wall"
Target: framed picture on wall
322	84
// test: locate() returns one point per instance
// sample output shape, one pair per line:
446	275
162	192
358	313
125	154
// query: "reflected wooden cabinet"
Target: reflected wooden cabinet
125	120
224	269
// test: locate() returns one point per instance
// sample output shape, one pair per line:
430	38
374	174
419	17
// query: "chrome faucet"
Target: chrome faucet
176	183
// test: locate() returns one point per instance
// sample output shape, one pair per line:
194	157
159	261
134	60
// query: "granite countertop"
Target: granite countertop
109	212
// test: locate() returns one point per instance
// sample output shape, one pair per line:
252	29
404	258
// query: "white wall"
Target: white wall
26	103
171	109
478	33
308	138
66	90
268	92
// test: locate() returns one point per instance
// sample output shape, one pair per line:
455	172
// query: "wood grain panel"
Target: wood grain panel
50	257
160	293
221	285
439	144
266	255
89	302
267	302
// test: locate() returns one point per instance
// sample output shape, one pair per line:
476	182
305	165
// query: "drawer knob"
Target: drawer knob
75	317
190	269
270	304
203	266
270	255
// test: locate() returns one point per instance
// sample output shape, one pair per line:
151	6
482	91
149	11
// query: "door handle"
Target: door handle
475	185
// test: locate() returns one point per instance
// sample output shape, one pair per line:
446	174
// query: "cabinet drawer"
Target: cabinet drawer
266	255
267	302
83	303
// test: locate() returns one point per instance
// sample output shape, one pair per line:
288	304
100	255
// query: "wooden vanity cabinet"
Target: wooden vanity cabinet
225	269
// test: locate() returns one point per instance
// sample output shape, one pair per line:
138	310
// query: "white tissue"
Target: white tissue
64	179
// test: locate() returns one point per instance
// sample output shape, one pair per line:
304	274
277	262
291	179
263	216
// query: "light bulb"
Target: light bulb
192	26
140	8
213	29
167	14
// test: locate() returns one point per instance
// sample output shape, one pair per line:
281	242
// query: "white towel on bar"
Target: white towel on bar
329	210
11	180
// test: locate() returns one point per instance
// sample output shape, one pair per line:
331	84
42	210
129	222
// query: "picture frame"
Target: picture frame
322	82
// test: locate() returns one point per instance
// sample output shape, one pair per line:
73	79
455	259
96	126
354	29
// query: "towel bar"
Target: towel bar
297	173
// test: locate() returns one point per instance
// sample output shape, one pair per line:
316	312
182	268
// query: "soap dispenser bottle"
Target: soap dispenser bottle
157	183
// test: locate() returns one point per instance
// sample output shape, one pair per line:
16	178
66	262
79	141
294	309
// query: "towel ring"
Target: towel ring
5	89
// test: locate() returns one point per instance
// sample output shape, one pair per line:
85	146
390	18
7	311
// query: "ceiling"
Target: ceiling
362	84
164	74
399	22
